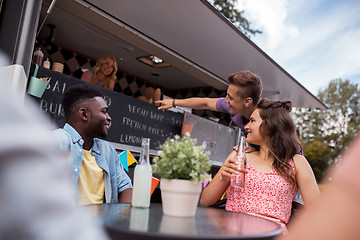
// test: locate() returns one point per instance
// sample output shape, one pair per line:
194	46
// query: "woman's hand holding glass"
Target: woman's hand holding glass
230	168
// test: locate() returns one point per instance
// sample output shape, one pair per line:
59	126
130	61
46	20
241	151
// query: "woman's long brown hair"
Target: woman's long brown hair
281	137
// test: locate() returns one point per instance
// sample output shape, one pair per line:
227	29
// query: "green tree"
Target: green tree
228	9
309	122
318	154
343	116
335	126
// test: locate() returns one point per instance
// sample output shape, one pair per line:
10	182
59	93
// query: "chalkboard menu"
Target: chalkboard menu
131	119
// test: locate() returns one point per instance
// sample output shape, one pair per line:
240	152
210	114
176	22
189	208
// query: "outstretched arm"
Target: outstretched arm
216	188
195	103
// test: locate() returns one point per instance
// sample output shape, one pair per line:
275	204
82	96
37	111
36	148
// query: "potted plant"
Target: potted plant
182	167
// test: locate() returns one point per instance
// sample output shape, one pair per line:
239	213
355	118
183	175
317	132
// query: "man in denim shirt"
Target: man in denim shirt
97	174
36	200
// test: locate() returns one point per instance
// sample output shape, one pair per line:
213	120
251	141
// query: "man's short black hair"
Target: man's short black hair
76	94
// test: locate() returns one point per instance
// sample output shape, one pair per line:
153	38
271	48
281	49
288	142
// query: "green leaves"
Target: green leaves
318	154
228	9
180	158
343	116
333	127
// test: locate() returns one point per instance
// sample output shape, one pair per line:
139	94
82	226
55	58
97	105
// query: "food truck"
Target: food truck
180	48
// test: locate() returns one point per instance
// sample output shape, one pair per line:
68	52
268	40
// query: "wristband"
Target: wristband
174	102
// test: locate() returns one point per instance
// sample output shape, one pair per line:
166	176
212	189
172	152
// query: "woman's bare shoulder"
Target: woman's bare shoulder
301	162
299	157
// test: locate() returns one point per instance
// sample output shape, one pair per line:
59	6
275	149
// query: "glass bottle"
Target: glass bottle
38	57
139	219
238	180
142	177
46	63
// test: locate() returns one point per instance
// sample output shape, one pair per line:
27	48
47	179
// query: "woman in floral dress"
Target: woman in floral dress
273	175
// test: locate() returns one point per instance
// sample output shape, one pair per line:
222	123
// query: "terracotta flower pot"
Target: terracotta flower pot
179	197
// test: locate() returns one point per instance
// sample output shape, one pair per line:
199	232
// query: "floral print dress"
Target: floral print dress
265	193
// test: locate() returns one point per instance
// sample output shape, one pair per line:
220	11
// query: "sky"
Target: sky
314	41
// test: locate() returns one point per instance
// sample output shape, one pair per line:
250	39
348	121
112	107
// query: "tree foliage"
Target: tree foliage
309	122
343	115
333	127
318	154
228	9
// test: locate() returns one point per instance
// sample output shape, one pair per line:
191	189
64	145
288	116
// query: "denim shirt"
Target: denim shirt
116	179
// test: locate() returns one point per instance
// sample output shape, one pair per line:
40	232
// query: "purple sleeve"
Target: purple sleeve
222	106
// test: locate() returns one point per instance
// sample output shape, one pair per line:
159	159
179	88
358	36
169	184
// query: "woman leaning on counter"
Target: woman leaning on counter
103	73
273	175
